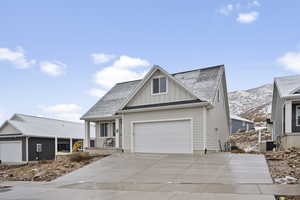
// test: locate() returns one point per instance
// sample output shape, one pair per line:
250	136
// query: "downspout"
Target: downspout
204	113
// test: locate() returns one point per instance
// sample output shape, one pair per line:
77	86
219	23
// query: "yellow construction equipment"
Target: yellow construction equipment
77	145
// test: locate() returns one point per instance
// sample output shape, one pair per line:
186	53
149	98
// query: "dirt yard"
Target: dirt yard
46	170
248	141
284	166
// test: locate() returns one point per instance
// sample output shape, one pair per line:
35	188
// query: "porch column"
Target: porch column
117	126
27	157
288	117
55	143
204	128
87	135
71	145
97	143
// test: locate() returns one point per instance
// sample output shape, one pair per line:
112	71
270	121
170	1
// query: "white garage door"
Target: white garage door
11	151
163	137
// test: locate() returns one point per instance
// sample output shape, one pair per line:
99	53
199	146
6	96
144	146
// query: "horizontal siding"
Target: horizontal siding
175	93
217	128
194	113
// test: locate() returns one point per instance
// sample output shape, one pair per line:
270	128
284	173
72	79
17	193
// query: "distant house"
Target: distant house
185	112
239	124
286	111
27	138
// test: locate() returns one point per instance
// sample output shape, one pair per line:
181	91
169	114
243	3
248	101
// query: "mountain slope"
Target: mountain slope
253	104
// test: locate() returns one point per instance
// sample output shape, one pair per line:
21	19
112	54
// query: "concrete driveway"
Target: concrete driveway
158	176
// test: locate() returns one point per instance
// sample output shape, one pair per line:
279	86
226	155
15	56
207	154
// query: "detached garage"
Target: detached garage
27	138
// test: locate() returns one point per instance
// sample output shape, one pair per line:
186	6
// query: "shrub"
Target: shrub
79	156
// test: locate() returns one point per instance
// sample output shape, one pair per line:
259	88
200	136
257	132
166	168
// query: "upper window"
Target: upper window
159	85
103	130
298	115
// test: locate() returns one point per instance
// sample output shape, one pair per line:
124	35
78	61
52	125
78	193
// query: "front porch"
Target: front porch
108	133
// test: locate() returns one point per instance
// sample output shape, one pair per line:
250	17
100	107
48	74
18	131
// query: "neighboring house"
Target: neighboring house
239	124
27	138
286	111
184	112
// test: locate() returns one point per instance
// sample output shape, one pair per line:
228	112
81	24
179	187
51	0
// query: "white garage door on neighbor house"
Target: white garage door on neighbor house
11	151
173	136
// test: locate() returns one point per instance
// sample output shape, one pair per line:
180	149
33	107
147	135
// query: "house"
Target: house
184	112
286	111
239	124
27	138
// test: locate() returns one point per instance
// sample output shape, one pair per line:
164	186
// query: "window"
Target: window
38	148
114	129
244	123
159	85
218	96
103	130
298	115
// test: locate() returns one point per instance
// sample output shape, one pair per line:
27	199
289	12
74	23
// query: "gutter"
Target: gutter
291	97
191	105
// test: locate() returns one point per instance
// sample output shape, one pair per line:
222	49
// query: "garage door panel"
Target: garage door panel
11	151
163	137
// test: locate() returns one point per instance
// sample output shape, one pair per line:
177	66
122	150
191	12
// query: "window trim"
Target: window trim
297	124
167	85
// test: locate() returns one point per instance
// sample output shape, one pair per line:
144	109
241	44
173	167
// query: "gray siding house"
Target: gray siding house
239	124
286	111
26	138
185	112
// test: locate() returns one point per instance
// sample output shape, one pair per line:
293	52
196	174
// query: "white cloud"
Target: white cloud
100	58
254	4
70	112
96	92
247	18
226	10
124	69
55	68
291	61
16	57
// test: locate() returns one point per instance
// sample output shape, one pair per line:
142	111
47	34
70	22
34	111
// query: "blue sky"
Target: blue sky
58	57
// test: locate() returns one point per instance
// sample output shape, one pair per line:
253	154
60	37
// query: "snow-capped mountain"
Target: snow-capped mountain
252	103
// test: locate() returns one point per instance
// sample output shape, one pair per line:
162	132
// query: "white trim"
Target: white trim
71	145
297	106
189	105
27	153
167	85
204	117
55	143
132	134
294	90
123	131
288	117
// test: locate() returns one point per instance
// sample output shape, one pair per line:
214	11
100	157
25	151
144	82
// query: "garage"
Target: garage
172	136
15	151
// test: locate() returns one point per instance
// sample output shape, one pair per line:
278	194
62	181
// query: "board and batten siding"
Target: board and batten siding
217	125
174	93
8	129
194	113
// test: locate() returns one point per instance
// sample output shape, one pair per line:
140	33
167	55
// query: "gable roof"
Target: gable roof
287	85
28	125
202	83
